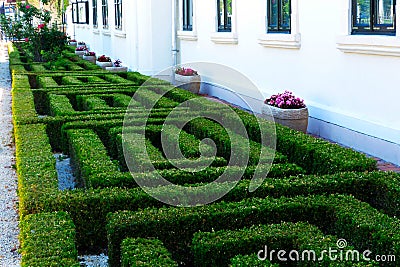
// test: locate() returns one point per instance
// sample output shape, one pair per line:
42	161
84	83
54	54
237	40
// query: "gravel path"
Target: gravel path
9	230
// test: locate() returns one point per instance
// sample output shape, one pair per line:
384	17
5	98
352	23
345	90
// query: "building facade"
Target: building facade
341	56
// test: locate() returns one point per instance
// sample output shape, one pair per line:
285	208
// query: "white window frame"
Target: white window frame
283	40
382	45
187	35
225	37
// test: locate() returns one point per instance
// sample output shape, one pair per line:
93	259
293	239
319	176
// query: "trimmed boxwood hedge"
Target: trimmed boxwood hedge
360	224
145	252
250	261
88	154
217	248
60	105
48	239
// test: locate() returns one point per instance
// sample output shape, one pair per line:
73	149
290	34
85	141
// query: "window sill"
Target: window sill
281	40
369	44
106	32
187	35
120	34
224	38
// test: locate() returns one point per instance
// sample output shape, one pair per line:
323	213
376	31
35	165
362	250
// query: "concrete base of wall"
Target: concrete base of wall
371	145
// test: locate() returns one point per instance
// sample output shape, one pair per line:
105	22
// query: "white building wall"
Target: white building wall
347	93
143	44
353	98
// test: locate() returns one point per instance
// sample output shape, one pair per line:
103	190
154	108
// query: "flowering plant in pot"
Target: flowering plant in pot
81	48
103	58
90	56
185	71
72	42
117	67
287	110
188	79
117	63
104	61
80	51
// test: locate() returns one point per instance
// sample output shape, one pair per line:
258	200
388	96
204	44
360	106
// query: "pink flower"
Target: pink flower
41	26
26	39
27	6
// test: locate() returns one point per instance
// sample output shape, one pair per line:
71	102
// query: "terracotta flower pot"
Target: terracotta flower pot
190	83
296	119
104	64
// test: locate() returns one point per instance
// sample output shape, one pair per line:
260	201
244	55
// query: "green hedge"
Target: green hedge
145	252
48	239
60	105
360	224
121	100
149	99
250	261
204	128
217	248
88	154
186	176
70	80
46	81
114	78
91	102
23	104
35	166
314	155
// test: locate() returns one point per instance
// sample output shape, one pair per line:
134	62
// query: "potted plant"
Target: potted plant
188	79
72	42
104	61
80	50
81	44
117	67
287	110
90	56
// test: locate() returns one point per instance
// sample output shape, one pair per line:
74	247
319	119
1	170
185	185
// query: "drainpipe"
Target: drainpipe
175	50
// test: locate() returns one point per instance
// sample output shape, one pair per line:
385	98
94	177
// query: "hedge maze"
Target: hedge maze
314	194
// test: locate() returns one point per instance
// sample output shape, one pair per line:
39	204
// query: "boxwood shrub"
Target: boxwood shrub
48	239
145	252
217	248
360	224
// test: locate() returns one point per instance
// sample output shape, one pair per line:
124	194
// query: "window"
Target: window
94	6
278	14
187	15
104	13
224	12
118	14
80	12
373	17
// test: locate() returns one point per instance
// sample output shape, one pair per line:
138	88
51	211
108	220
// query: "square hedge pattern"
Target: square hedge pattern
315	192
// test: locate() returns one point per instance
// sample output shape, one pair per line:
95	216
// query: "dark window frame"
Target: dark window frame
118	14
104	13
374	27
77	16
225	18
187	6
94	14
279	27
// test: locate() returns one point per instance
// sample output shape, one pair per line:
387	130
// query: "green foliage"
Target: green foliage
60	105
48	239
40	42
145	252
217	248
343	216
